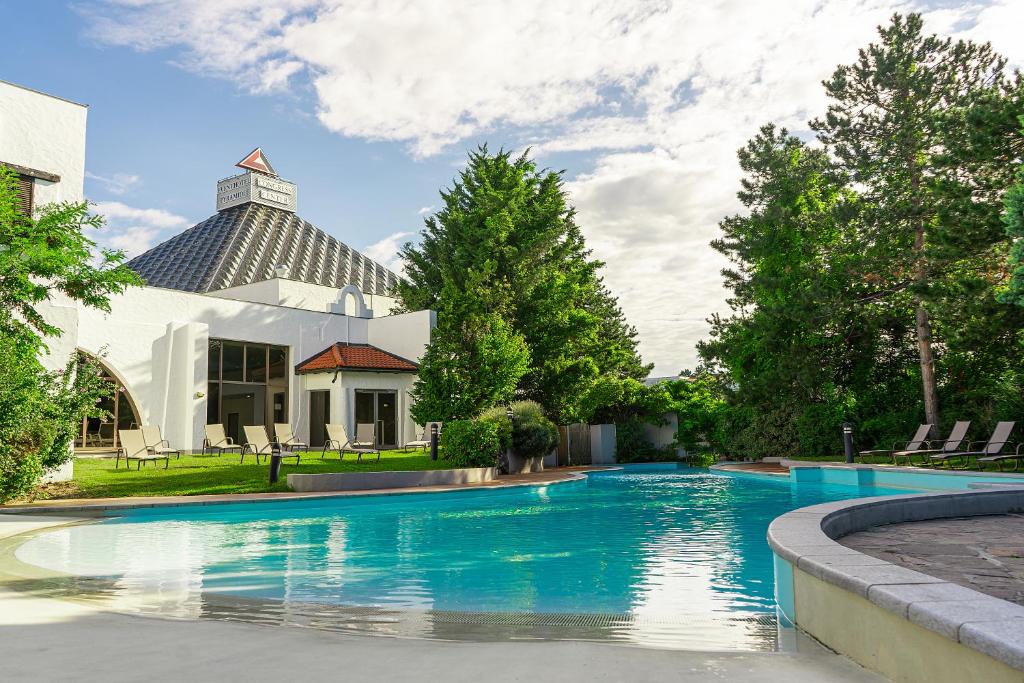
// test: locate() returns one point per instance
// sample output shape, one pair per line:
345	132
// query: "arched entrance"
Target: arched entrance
101	435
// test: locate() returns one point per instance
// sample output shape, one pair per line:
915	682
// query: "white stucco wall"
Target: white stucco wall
156	340
305	295
403	334
343	407
44	133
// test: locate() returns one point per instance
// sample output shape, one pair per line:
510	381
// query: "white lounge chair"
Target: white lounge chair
133	447
364	443
155	441
424	437
286	439
217	440
258	443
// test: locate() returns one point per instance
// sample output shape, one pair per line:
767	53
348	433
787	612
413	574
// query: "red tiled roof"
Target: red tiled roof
355	357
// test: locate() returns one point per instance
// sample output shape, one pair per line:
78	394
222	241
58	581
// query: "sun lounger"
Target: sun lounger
133	447
992	448
217	440
155	441
1000	459
915	444
952	444
424	438
363	444
258	443
286	439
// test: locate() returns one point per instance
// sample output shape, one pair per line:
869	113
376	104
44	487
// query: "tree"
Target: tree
888	124
1014	220
505	246
469	363
51	252
40	410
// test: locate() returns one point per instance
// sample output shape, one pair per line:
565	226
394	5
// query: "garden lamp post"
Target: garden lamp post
848	441
433	441
275	463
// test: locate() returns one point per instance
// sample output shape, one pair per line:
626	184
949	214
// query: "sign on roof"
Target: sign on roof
257	161
258	189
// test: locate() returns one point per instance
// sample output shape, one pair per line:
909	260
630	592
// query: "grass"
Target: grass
211	474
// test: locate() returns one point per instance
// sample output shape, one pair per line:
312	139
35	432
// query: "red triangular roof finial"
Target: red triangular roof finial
257	161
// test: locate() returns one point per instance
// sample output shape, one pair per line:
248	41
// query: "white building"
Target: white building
42	138
251	317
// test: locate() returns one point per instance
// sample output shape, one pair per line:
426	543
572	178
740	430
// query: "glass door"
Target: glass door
319	416
387	419
380	409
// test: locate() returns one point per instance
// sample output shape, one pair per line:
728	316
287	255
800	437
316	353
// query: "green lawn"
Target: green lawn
199	474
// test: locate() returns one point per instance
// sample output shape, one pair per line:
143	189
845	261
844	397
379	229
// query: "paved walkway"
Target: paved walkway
983	553
757	467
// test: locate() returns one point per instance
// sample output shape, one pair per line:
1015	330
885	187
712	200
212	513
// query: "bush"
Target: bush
470	443
533	435
23	432
498	417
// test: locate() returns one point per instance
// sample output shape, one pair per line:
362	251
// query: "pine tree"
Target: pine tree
505	245
887	123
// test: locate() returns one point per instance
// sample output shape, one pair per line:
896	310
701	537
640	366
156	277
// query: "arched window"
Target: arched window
101	435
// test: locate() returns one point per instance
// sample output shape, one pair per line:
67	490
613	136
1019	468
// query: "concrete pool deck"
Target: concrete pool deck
45	638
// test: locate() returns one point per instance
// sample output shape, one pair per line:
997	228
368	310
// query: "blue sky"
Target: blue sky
370	106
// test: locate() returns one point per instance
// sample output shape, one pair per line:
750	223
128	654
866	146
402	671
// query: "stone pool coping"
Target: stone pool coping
805	539
100	505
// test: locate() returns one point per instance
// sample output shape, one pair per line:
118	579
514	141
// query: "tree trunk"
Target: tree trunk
924	349
922	323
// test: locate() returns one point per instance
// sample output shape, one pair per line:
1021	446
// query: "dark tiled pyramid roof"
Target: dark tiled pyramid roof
355	357
246	243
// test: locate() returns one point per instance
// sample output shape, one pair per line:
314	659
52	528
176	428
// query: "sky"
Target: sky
371	105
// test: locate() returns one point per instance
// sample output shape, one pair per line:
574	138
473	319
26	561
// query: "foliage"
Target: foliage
533	435
699	402
862	265
47	253
23	435
498	416
505	246
1013	217
470	443
75	393
471	362
630	405
39	256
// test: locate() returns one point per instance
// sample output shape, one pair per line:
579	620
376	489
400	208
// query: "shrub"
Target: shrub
470	443
23	432
498	417
533	435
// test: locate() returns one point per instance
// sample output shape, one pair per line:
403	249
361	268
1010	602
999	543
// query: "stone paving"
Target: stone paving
983	553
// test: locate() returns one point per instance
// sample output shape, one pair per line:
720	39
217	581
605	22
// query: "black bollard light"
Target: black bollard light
433	441
848	441
275	463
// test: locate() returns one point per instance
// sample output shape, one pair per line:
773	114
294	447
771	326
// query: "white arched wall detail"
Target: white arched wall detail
351	290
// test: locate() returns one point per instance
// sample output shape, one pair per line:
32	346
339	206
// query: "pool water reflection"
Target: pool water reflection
667	557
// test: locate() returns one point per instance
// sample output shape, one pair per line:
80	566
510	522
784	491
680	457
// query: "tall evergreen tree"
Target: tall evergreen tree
887	124
505	245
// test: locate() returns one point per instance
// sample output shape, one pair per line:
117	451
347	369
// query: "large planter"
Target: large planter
518	464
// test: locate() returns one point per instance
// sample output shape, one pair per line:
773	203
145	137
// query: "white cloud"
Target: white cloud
385	252
424	210
115	183
660	92
135	230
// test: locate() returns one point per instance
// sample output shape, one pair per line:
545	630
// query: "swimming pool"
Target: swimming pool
662	556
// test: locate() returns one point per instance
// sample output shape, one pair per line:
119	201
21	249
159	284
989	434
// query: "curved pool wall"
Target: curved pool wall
902	623
910	478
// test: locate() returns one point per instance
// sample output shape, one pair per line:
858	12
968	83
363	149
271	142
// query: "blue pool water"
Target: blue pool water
665	553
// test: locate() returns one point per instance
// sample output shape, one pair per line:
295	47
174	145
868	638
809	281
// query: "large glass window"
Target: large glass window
248	386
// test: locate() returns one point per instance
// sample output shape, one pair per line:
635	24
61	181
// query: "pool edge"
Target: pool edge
859	605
